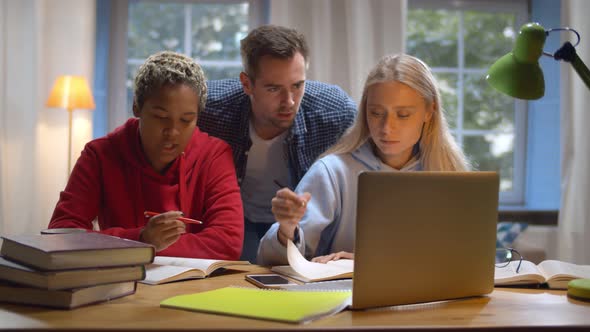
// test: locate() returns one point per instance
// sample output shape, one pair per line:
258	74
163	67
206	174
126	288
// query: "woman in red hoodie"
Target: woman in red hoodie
160	161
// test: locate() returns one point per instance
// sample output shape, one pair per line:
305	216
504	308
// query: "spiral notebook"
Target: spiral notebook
276	305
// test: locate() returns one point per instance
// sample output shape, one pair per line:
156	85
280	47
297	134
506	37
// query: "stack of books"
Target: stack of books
70	270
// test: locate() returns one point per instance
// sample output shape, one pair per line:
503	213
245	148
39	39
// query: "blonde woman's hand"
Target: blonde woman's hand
163	230
333	257
288	208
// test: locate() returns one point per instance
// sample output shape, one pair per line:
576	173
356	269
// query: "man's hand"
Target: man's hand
163	230
333	257
288	208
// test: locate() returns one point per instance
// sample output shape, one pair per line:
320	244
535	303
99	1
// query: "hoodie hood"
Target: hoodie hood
365	155
127	142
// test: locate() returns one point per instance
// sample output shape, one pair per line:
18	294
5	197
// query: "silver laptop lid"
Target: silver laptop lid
424	236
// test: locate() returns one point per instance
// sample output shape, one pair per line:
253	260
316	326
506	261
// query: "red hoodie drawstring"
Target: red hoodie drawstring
182	184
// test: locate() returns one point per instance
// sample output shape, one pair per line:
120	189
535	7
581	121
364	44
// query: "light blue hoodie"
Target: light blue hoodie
329	222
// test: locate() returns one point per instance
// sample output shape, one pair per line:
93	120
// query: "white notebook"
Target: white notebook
301	269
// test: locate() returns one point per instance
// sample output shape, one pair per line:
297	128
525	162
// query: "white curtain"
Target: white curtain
345	37
39	40
574	216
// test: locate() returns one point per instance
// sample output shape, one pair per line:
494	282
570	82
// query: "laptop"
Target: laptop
424	236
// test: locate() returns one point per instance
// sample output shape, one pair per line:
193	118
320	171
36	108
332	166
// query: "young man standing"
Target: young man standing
276	122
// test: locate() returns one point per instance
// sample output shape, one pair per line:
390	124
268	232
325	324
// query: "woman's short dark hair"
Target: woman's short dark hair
169	68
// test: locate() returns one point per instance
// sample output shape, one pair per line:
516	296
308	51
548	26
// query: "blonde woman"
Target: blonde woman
400	127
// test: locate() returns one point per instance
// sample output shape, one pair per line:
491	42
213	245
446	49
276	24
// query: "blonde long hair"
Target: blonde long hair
438	150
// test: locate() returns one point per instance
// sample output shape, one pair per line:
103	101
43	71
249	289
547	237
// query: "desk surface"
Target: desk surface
504	308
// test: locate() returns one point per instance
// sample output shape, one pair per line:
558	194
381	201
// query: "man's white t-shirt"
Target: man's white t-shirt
266	166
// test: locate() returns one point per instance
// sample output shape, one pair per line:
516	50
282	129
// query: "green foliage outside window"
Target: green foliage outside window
208	32
459	46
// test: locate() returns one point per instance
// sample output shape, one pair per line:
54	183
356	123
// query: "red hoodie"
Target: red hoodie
112	180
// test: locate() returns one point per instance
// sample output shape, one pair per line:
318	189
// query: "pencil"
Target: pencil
148	214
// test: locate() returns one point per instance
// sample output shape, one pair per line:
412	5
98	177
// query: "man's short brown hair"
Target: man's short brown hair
272	40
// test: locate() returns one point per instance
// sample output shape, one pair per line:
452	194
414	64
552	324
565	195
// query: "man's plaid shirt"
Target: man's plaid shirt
326	111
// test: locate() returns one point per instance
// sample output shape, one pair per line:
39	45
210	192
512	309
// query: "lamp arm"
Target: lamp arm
582	70
568	53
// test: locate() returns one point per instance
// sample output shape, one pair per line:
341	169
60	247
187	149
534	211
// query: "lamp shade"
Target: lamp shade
518	73
70	92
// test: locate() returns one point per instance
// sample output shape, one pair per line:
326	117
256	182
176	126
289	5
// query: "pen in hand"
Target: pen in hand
149	214
303	202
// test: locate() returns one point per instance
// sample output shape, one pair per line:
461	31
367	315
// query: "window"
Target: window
206	30
209	32
459	40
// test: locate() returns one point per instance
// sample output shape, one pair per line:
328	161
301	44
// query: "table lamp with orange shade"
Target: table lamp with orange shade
70	92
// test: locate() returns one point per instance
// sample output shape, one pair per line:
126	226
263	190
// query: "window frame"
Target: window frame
117	112
517	195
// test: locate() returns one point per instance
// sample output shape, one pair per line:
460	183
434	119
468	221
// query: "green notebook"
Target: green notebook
276	305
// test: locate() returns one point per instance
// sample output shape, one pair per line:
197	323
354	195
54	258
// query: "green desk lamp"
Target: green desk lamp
518	73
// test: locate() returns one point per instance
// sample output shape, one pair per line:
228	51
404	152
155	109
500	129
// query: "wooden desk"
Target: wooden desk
505	309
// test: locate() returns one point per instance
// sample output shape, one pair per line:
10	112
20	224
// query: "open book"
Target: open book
276	305
167	269
301	269
556	274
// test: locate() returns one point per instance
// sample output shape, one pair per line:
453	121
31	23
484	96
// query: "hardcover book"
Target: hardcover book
65	299
75	251
67	279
